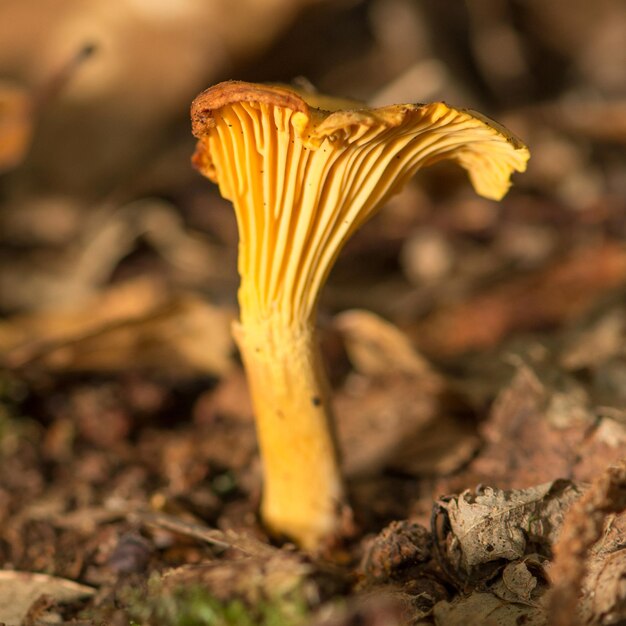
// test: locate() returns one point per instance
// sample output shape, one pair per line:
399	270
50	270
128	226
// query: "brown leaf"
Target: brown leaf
378	348
519	582
396	413
128	300
486	609
19	590
604	588
582	528
535	429
605	445
385	607
561	292
600	341
401	423
127	325
489	524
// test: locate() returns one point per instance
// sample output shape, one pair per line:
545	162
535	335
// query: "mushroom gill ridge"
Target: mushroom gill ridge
302	182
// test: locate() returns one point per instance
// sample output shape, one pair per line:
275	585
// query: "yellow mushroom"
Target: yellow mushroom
303	172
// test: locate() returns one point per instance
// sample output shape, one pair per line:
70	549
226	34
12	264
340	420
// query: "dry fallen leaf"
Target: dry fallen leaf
583	527
535	429
68	274
519	582
19	590
378	348
131	323
491	525
560	292
401	423
604	589
601	340
127	300
395	395
486	609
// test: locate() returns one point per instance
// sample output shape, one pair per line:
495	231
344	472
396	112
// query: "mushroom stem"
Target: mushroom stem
303	489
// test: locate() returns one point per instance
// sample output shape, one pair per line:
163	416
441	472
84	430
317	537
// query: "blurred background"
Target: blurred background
114	251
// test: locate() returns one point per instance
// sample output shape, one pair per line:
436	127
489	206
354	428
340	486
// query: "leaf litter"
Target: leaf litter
476	352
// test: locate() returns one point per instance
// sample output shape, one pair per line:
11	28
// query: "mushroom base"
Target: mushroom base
303	490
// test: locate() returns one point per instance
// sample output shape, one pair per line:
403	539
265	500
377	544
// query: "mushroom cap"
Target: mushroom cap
486	149
305	170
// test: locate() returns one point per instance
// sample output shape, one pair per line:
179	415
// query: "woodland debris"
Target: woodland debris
489	526
582	528
562	291
20	591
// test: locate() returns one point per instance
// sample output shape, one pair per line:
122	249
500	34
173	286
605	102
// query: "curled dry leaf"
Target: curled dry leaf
519	581
491	525
68	273
128	300
598	342
605	445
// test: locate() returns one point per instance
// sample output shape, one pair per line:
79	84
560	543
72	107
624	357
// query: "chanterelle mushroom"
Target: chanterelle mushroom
303	172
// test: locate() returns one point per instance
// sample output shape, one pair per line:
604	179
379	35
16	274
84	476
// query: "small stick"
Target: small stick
59	78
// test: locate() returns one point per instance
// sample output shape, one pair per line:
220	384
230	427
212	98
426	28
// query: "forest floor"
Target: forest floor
476	351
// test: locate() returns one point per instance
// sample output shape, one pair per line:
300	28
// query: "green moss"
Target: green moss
197	607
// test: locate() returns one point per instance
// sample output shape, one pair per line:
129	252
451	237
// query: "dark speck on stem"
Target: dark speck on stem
316	400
